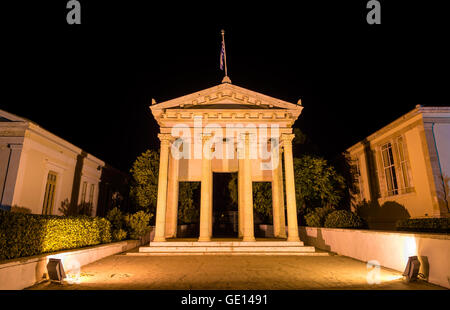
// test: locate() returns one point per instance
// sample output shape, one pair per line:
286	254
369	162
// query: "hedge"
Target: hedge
344	219
30	234
435	225
317	217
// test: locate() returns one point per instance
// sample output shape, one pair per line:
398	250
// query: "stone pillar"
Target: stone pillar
240	192
291	205
161	205
206	192
172	199
249	231
279	225
11	175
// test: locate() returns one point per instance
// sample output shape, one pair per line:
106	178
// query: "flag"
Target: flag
222	55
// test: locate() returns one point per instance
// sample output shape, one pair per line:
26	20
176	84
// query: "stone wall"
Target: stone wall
390	249
17	274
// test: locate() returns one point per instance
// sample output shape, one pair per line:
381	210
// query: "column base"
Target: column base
204	239
248	239
280	235
293	238
159	239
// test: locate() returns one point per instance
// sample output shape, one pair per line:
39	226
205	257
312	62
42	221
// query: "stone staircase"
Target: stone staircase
227	248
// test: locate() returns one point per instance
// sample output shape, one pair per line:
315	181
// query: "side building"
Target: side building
42	173
403	169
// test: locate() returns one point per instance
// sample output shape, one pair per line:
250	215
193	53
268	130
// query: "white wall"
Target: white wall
390	249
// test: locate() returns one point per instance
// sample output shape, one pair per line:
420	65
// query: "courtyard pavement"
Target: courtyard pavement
232	272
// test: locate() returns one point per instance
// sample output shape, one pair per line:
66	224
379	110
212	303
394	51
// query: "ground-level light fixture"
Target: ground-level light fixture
412	269
55	270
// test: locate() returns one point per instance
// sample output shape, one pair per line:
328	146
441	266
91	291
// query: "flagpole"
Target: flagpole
224	51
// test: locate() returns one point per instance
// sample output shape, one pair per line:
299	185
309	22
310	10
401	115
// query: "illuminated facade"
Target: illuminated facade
38	170
406	164
226	128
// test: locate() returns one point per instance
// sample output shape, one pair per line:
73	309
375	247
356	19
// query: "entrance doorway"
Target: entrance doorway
225	208
188	209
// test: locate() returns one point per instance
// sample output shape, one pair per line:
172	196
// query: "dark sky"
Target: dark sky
91	84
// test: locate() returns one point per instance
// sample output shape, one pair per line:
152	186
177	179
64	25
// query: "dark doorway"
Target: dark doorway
188	209
225	209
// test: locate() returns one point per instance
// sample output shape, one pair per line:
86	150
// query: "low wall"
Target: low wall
17	274
390	249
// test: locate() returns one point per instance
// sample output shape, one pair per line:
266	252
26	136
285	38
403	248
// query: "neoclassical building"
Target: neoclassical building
226	128
39	170
404	168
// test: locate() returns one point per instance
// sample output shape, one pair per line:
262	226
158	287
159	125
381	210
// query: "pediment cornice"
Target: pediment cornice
227	95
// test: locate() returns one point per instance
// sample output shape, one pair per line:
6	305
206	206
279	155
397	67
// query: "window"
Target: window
49	195
83	192
403	165
359	179
389	169
91	194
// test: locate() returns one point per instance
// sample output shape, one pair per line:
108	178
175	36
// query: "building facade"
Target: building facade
40	171
403	169
226	129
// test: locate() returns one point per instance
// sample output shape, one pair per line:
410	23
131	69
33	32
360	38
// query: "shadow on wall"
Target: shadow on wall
318	241
384	216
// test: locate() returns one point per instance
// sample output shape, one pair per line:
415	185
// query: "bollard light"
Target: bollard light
412	269
55	269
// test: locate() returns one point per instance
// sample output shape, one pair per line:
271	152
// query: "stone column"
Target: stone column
206	192
172	199
279	225
291	205
240	192
249	231
161	204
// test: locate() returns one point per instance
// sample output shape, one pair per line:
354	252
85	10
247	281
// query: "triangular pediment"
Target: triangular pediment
224	96
9	117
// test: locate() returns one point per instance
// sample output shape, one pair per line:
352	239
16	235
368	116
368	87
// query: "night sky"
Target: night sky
92	84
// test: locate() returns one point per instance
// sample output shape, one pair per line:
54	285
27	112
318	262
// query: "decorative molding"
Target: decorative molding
226	94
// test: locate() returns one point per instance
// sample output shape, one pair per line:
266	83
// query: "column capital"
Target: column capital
165	138
287	138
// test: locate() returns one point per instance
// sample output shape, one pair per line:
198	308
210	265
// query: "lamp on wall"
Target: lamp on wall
412	269
55	269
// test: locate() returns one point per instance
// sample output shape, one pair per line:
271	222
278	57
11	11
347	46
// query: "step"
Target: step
190	249
225	243
162	253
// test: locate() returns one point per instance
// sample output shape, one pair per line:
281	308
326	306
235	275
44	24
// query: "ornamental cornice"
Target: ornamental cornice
225	93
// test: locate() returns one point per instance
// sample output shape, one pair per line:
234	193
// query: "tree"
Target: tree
344	166
317	183
262	200
189	202
144	189
145	171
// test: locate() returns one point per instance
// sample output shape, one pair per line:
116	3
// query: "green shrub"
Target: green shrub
137	224
317	217
31	234
19	209
116	218
119	235
436	225
344	219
